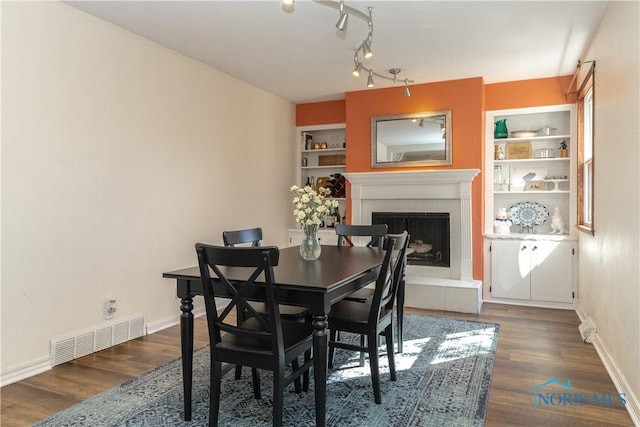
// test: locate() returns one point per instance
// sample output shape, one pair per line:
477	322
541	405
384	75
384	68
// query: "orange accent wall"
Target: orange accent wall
320	113
468	99
463	97
528	93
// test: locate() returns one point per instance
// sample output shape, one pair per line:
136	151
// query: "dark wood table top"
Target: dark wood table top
335	273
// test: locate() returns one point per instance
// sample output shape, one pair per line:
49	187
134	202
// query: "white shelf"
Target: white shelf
326	150
532	138
323	167
533	192
530	236
532	160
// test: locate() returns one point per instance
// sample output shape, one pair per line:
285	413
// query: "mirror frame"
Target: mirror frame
410	163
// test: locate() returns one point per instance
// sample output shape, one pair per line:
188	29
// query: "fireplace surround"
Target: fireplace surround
448	191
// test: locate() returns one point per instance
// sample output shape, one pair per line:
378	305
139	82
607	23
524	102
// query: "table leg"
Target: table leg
320	366
186	342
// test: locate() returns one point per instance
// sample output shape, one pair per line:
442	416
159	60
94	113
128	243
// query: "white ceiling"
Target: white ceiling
301	57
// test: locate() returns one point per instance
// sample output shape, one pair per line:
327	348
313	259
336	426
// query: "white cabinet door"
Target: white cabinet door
551	279
510	269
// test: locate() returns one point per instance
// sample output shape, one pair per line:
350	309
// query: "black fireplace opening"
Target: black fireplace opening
429	232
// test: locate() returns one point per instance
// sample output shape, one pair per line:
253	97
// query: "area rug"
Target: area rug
444	376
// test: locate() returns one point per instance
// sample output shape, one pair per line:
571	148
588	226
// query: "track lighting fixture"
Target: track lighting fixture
364	50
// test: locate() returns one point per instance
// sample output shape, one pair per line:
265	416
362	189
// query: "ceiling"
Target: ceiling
302	57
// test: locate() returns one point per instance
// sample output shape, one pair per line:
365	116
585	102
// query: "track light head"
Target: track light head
356	70
288	6
370	82
342	22
344	16
366	49
407	94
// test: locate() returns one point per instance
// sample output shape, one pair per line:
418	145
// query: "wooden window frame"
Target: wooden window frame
586	166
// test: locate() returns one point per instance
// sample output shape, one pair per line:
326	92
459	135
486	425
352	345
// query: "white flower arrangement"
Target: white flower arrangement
310	206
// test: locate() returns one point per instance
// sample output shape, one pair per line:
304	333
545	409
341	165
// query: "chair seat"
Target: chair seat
294	334
352	312
291	311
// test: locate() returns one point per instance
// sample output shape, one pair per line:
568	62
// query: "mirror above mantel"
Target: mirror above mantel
406	140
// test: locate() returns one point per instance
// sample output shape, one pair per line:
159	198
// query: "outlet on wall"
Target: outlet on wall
109	308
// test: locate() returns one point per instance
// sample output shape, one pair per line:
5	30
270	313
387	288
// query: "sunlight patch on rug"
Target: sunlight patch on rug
465	344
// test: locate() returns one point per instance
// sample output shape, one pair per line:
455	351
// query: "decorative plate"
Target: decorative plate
528	214
524	133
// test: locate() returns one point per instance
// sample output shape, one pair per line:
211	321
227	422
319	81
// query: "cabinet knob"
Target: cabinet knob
534	248
523	248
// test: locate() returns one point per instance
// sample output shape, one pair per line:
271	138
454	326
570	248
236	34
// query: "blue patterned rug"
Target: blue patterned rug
443	380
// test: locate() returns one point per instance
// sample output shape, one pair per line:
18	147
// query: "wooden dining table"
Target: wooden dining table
314	284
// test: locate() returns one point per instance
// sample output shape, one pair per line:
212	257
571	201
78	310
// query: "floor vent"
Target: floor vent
72	346
587	330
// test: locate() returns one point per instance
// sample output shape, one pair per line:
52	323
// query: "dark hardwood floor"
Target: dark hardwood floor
534	345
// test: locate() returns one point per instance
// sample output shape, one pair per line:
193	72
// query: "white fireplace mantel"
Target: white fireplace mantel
407	187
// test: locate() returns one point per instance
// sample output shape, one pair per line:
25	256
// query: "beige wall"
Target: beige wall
609	270
117	156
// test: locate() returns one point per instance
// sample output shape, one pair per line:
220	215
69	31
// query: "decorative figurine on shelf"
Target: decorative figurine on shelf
563	149
502	224
557	223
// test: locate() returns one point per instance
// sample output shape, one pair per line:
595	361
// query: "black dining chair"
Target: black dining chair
373	318
374	236
253	237
375	232
261	341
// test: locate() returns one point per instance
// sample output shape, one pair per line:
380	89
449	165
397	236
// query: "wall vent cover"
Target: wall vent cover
71	346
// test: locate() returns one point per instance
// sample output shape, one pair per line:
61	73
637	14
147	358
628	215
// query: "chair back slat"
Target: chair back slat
253	236
376	234
386	286
252	264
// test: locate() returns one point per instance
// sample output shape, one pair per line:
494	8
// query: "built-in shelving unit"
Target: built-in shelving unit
531	265
315	165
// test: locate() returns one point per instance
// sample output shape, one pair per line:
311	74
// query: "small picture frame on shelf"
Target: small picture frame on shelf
535	185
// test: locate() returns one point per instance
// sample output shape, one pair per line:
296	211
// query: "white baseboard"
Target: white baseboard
168	322
19	373
43	364
619	381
